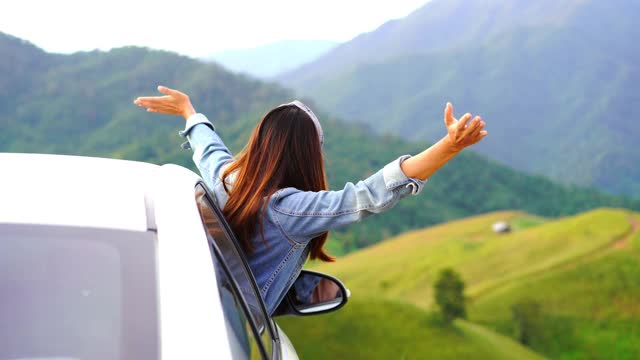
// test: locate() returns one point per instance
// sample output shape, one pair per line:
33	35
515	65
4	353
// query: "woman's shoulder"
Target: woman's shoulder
220	195
290	194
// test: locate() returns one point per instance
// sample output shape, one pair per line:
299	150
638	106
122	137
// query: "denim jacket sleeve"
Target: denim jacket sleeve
302	215
209	152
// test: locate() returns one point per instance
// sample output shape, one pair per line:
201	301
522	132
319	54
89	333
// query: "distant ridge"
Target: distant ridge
270	60
436	26
557	82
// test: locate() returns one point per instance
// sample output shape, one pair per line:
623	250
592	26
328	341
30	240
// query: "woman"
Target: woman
274	193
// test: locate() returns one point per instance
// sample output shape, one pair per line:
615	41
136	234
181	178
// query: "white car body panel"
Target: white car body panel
111	183
192	324
128	195
288	351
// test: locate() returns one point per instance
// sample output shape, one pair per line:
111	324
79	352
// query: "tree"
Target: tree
449	295
526	317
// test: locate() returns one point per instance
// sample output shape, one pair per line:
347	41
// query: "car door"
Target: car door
238	281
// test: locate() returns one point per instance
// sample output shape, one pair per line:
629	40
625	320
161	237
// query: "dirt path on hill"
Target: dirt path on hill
635	225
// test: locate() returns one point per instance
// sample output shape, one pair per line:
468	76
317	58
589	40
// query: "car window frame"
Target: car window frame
270	324
215	252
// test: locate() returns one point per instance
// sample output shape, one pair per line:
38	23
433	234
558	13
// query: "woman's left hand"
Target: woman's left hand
173	103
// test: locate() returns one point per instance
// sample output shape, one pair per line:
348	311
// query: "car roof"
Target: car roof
79	191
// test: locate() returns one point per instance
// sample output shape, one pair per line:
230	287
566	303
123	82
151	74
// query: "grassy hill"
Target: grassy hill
82	104
370	328
582	270
560	98
589	307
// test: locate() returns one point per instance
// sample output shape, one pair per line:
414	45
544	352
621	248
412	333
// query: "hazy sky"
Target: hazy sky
192	27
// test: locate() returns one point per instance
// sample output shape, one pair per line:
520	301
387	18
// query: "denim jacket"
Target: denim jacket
294	217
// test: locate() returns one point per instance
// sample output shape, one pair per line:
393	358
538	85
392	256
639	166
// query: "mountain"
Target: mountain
555	81
270	60
438	25
581	271
82	104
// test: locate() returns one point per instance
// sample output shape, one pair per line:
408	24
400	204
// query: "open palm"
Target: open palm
173	103
462	132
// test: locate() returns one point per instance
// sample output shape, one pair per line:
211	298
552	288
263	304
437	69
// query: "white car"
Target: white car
114	259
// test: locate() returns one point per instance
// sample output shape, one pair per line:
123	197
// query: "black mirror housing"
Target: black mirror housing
313	293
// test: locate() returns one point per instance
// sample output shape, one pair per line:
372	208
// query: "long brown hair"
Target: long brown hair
284	151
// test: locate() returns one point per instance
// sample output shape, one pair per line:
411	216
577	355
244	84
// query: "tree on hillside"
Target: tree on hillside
526	317
449	295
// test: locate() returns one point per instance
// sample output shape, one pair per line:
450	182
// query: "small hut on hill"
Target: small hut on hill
501	227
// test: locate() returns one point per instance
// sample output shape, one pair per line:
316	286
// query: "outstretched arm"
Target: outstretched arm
460	134
209	152
302	215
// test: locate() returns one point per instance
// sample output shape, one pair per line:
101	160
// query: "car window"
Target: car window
219	232
77	293
241	336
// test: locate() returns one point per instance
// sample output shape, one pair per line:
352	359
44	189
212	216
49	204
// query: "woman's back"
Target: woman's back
278	255
293	218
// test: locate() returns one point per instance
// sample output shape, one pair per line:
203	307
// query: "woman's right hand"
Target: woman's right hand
173	103
460	134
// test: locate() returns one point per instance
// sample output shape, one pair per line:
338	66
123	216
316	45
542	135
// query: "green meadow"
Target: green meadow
383	329
583	272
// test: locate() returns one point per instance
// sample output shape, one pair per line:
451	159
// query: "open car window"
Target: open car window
220	234
242	334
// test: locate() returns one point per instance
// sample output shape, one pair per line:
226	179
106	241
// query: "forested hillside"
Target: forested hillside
556	81
82	104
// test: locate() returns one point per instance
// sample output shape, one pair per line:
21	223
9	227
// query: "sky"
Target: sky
190	27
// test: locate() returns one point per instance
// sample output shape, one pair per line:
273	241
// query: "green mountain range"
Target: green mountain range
82	104
556	81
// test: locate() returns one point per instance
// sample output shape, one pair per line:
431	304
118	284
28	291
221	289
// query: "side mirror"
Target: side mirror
313	293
